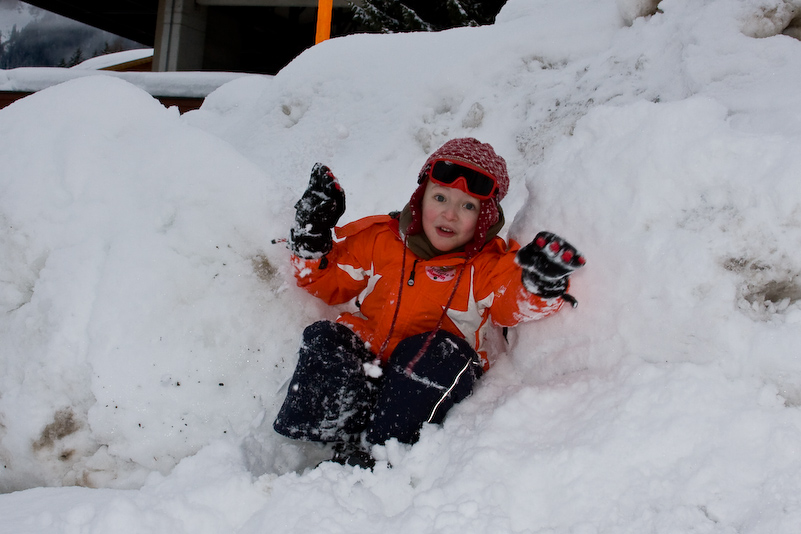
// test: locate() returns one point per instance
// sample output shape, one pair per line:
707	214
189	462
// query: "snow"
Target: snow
148	326
171	84
115	58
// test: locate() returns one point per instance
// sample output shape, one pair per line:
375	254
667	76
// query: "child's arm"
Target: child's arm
310	240
316	214
345	271
547	263
326	279
530	283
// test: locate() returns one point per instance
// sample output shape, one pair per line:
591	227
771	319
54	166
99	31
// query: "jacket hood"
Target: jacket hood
480	155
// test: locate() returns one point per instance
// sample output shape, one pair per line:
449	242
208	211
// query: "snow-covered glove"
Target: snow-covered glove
316	214
547	262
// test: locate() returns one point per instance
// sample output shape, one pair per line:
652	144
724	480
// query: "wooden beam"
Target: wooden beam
272	3
324	8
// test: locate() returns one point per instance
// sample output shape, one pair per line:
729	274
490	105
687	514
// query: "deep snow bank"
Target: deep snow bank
122	230
146	317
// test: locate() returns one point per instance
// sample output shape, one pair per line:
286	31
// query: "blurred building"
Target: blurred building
259	36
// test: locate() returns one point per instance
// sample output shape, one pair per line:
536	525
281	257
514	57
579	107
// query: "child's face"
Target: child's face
449	216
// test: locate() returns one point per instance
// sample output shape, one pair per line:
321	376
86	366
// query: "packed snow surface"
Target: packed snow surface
148	326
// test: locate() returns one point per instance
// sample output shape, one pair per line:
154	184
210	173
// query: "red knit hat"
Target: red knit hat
479	155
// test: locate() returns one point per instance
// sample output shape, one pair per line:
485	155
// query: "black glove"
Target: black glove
316	213
547	263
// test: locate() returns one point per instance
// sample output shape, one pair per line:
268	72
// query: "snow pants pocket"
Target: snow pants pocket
443	376
329	398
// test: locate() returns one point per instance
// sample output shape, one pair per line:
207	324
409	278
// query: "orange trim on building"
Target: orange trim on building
324	9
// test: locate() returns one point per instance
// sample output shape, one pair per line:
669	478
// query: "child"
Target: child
426	281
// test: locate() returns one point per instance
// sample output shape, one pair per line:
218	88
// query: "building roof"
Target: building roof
136	19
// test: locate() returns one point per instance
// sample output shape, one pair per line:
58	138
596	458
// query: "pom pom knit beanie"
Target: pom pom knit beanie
479	155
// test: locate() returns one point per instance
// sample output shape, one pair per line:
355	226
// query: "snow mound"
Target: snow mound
148	325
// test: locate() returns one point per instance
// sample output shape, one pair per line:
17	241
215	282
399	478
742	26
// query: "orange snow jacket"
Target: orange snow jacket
367	262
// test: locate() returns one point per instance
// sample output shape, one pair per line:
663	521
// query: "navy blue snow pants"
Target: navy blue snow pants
331	399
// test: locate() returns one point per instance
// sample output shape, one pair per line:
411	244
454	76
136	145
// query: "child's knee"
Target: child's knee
332	344
329	395
445	356
442	376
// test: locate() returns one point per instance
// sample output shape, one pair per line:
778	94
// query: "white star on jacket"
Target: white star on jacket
360	274
469	321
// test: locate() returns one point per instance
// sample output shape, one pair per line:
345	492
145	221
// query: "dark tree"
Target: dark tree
393	16
51	41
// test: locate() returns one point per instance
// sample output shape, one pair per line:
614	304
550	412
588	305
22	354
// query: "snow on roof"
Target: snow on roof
172	84
114	59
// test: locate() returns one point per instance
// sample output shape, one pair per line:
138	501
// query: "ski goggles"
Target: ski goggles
470	180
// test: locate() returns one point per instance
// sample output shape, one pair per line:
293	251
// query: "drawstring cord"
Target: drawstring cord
410	282
410	367
397	302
